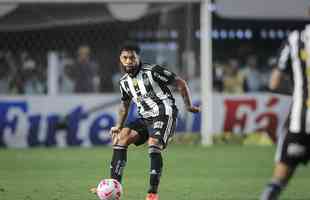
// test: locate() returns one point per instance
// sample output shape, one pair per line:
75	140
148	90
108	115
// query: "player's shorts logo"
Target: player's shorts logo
157	133
296	150
158	124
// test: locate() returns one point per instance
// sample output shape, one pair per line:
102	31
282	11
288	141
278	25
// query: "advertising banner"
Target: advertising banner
31	121
245	114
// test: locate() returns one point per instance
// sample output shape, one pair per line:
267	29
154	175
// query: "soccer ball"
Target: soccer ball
109	189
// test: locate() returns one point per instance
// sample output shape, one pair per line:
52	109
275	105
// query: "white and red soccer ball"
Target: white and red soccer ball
109	189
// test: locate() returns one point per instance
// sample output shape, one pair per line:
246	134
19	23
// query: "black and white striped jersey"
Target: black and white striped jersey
295	53
149	90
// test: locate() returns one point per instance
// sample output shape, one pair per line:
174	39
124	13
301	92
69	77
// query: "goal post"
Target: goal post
206	73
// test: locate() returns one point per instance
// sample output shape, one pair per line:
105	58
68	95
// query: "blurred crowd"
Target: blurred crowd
21	73
24	73
233	76
79	75
79	72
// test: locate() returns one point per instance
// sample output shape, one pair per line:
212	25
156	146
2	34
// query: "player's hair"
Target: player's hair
130	46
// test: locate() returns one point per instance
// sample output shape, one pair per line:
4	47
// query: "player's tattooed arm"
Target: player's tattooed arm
183	89
122	113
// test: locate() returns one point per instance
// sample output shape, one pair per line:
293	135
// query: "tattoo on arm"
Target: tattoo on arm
122	113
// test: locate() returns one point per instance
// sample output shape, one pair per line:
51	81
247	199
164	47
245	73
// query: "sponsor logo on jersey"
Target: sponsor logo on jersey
135	82
145	96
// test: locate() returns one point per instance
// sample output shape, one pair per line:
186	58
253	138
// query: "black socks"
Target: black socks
118	162
273	190
155	171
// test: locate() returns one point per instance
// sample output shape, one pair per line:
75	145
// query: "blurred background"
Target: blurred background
62	58
59	63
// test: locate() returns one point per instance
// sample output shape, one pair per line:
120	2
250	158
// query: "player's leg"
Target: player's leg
126	137
281	175
292	150
164	127
134	133
156	163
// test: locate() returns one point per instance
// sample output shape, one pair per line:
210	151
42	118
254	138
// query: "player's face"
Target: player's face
130	61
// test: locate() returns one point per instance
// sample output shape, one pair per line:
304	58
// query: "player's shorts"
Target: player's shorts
161	127
294	148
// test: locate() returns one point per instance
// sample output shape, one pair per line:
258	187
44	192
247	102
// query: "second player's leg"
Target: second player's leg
288	158
281	176
283	172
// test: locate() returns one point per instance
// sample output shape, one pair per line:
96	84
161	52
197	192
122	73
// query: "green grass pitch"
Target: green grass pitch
190	173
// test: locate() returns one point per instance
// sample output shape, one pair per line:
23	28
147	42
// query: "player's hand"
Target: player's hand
193	109
114	132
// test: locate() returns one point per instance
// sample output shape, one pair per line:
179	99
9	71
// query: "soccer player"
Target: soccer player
147	86
294	147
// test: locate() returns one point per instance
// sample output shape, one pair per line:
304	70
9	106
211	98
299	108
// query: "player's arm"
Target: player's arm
122	113
183	89
275	79
164	76
283	60
121	118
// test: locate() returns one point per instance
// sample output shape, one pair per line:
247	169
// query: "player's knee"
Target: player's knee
123	136
154	145
153	141
127	137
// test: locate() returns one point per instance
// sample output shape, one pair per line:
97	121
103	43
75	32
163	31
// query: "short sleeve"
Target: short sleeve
125	96
162	75
283	56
